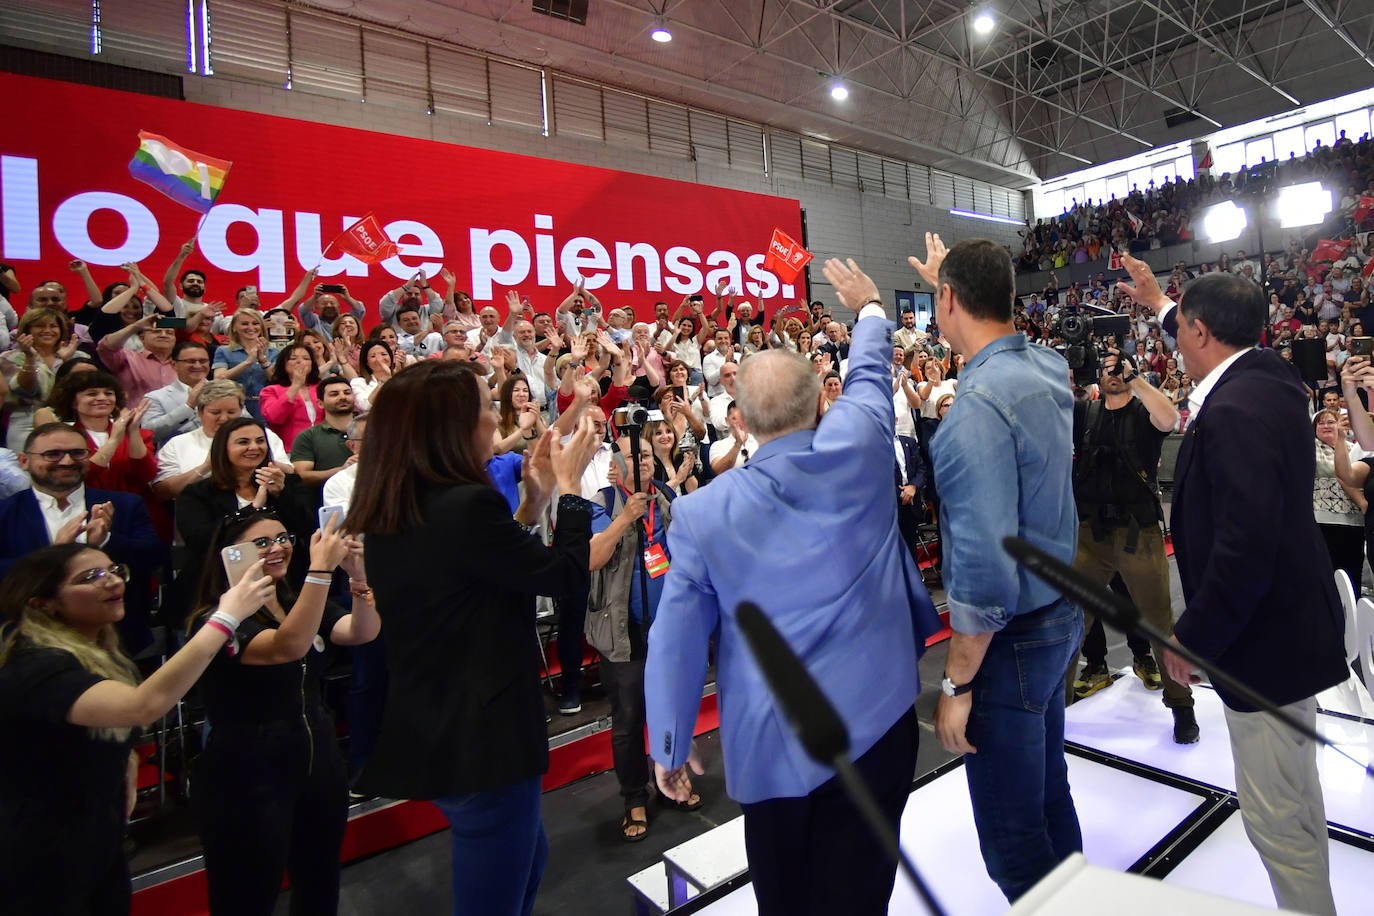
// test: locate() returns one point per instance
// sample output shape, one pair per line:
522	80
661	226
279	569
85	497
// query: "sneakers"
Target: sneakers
1090	680
1148	671
1185	725
569	705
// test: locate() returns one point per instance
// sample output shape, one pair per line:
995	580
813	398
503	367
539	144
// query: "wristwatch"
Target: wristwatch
950	689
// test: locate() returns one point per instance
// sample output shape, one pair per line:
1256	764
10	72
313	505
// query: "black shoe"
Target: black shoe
1185	725
1090	680
1148	672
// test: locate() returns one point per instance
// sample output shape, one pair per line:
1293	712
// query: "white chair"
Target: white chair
1350	696
1364	617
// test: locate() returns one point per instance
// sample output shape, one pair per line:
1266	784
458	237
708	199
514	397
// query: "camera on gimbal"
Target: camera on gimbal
1084	337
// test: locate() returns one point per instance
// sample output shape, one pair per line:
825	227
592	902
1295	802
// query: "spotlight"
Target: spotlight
839	92
661	35
1303	205
1224	222
983	23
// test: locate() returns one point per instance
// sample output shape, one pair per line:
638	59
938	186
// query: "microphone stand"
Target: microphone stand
1123	615
821	732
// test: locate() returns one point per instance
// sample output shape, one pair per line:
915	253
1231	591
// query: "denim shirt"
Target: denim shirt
1003	459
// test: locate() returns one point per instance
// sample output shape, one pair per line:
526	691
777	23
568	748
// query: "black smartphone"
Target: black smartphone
331	287
681	393
1362	346
170	323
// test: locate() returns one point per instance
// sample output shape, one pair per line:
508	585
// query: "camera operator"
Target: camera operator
1117	442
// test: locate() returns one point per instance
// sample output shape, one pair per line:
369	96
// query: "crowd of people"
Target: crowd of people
175	462
1160	216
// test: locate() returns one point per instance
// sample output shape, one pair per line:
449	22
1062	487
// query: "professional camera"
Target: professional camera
1084	336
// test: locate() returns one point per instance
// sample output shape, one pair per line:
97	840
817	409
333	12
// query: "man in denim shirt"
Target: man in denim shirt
1003	466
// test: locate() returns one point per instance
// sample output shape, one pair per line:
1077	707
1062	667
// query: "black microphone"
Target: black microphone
821	731
1124	616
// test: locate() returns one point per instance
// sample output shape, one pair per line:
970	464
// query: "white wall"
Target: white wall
878	231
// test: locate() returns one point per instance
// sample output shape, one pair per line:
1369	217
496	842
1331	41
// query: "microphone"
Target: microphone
1124	616
821	731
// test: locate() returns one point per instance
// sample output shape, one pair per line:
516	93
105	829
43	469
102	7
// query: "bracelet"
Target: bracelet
225	621
363	593
316	580
320	572
231	647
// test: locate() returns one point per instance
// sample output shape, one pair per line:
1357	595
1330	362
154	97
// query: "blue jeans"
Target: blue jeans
499	849
1018	780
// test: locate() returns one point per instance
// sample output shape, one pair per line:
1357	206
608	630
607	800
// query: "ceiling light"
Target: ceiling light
1303	205
1224	222
983	23
839	92
661	34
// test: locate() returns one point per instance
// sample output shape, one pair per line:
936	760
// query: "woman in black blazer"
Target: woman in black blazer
455	578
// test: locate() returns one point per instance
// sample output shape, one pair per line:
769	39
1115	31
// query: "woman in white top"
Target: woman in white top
1338	506
935	384
685	345
375	366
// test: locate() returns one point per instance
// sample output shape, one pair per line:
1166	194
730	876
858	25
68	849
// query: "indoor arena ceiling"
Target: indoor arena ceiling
1056	84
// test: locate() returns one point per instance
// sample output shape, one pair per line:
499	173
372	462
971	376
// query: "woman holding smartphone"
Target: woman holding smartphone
71	699
271	789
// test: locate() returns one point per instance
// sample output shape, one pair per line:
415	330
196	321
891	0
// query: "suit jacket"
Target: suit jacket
133	540
808	530
915	465
464	710
1256	575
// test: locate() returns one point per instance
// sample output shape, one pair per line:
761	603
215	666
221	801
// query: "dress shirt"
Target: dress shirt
138	372
311	321
1204	386
710	368
54	516
720	406
530	364
721	448
389	303
1003	461
13	478
338	490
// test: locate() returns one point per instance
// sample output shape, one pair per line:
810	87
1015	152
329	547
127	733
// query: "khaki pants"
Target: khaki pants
1281	805
1146	574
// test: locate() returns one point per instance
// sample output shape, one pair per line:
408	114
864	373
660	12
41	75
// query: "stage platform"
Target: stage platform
1146	806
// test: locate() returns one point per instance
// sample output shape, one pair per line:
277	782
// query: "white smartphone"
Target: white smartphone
328	512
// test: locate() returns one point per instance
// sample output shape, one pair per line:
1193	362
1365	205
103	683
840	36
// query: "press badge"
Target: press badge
655	561
318	643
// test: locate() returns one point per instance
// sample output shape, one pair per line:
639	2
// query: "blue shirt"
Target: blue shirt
601	520
253	379
505	471
1003	461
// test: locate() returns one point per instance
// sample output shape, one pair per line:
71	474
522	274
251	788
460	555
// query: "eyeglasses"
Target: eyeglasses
98	574
55	455
285	539
195	362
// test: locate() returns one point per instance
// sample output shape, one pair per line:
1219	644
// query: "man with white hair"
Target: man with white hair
869	613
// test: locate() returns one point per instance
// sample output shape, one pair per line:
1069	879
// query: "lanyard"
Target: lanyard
649	525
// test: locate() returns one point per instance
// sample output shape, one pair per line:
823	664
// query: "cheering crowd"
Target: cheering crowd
175	461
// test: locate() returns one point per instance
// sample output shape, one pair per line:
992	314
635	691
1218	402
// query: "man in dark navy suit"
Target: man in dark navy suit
1256	575
58	508
909	474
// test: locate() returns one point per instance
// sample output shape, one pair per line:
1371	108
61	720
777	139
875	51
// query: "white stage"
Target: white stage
1126	817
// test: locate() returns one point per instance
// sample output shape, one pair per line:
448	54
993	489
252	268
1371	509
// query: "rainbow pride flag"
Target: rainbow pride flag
191	179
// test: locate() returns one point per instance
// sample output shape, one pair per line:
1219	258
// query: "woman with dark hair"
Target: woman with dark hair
376	361
71	699
242	473
457	643
346	335
518	422
271	786
1338	500
673	467
832	386
289	403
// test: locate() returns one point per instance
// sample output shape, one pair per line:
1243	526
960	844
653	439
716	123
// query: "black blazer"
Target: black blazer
1255	571
915	464
464	711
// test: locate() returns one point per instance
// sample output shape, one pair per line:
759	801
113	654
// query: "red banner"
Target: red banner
786	257
1363	208
1330	249
498	221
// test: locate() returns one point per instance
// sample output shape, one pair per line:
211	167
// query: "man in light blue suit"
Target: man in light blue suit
807	529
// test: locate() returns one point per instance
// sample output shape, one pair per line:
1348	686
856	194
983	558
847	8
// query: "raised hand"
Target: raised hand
852	285
76	266
188	247
98	523
579	349
935	256
1145	290
243	599
65	351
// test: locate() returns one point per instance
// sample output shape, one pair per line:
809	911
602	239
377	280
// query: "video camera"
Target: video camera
1082	334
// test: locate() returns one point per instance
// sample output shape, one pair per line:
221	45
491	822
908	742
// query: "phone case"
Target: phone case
237	558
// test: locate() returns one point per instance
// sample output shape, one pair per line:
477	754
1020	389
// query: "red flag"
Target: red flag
1368	269
1363	208
1136	222
1206	162
1115	262
1330	249
786	257
366	241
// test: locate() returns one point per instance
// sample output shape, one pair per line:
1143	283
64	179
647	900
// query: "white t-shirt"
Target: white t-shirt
187	451
936	392
721	448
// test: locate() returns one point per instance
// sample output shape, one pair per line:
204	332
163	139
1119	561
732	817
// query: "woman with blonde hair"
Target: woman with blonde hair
248	357
71	699
43	342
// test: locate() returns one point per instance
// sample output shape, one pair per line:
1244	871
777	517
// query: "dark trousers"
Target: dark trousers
624	684
266	806
366	698
1345	544
499	849
1019	781
814	854
1095	638
908	520
572	618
